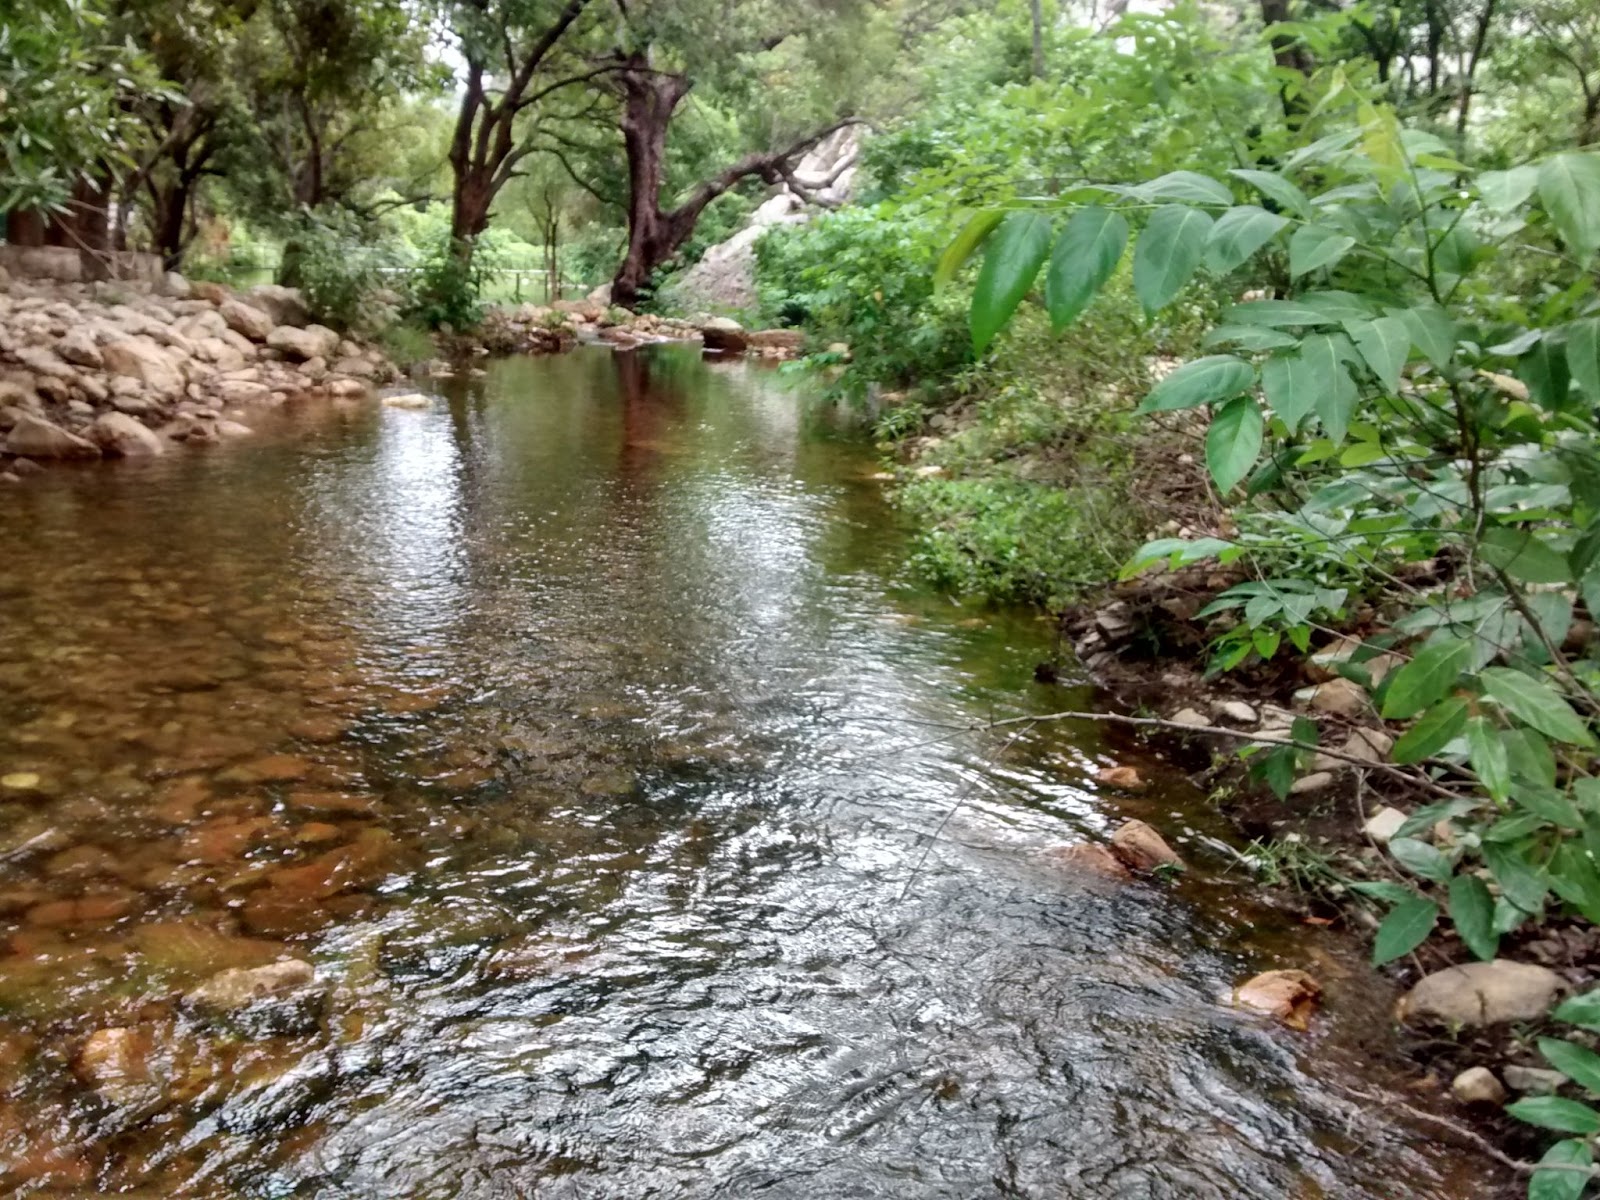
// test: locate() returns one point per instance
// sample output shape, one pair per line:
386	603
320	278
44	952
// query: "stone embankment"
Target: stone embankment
119	368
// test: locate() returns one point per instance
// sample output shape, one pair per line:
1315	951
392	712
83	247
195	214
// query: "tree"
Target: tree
662	51
66	85
521	39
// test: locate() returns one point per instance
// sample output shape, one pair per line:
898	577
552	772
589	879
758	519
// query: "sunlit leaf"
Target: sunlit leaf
1472	913
1203	381
1012	257
1405	928
1426	679
1168	252
1085	255
1233	442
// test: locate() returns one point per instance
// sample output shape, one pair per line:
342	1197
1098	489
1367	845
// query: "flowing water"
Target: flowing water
588	737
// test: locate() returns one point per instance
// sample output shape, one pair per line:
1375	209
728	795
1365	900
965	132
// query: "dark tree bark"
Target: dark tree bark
484	150
1480	38
1287	53
649	100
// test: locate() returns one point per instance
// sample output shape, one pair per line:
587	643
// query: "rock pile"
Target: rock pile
120	369
553	328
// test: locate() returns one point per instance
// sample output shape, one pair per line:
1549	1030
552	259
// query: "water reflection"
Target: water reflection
569	729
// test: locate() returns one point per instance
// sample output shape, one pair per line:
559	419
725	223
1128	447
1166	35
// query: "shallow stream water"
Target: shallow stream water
587	735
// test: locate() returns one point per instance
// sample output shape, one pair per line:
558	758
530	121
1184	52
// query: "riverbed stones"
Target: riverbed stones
1193	718
78	346
1091	859
37	438
1287	996
1127	778
1384	824
285	305
1532	1081
121	436
1482	993
1141	848
1478	1085
142	359
724	334
304	345
1236	712
245	320
116	1062
411	400
277	999
1337	697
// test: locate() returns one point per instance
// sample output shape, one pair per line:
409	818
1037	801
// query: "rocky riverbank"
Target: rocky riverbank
121	369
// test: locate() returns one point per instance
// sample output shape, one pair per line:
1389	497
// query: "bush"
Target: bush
343	271
865	277
447	289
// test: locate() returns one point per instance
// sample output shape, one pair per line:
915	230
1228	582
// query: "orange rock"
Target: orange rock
1142	848
224	839
315	832
274	768
1086	856
1289	997
1122	777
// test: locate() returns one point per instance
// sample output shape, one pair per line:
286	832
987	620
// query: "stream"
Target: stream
589	736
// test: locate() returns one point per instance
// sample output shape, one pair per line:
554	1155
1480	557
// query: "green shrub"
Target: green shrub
343	271
1009	540
447	289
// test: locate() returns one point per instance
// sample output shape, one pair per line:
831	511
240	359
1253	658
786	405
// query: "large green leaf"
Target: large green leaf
1291	386
1536	703
1519	882
1577	1064
1238	234
1432	331
1502	191
1556	1112
1405	928
1582	1010
1421	859
1438	727
1472	912
1336	395
1583	356
1169	250
1385	344
1276	188
1203	381
1011	258
1562	1185
1522	555
979	226
1188	186
1490	762
1314	246
1250	337
1278	313
1233	442
1569	189
1428	678
1085	255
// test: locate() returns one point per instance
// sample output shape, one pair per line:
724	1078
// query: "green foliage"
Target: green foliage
67	83
864	277
1011	540
343	271
447	288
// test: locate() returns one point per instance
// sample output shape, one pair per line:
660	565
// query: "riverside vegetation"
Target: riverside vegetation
1376	326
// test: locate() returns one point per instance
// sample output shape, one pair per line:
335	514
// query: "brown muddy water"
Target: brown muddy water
584	733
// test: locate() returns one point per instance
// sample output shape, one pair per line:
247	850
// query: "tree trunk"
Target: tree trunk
1471	71
648	100
1287	53
91	216
25	227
